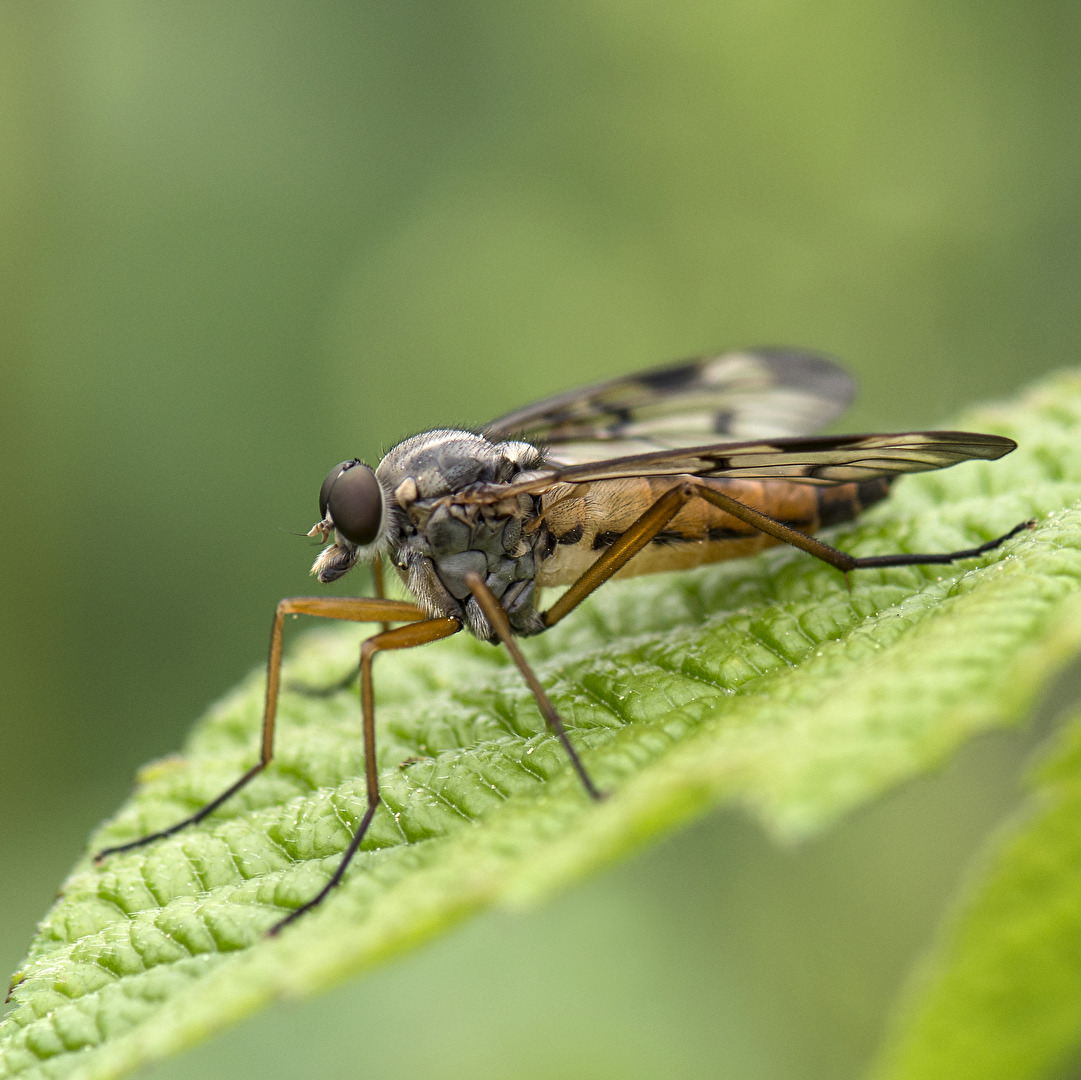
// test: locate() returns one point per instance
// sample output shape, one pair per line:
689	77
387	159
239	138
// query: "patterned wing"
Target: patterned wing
827	459
751	394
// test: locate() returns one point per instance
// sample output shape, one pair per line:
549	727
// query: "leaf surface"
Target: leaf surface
764	684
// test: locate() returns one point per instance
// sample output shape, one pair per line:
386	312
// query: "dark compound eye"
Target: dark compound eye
352	495
328	483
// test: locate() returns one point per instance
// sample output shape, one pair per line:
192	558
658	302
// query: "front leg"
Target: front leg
352	609
402	637
350	677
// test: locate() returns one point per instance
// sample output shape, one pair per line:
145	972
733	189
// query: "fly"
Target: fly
671	468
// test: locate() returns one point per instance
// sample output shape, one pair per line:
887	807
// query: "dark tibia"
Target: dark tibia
948	557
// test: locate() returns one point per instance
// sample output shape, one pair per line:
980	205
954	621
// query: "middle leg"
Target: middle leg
494	613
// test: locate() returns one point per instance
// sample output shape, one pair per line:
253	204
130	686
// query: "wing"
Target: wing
750	394
827	459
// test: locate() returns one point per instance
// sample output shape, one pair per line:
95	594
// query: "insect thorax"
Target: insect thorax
440	539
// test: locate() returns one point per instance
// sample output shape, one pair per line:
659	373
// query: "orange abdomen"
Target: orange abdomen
581	528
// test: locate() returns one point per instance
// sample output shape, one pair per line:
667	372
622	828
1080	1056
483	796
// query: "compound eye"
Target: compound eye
328	483
352	495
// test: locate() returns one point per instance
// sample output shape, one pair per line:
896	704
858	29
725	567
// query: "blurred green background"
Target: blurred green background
243	241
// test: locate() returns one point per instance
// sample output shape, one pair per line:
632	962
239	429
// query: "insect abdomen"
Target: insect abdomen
580	529
847	501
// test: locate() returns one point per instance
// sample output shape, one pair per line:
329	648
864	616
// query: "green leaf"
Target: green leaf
764	683
1001	999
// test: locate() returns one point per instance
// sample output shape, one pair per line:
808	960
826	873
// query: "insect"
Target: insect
667	469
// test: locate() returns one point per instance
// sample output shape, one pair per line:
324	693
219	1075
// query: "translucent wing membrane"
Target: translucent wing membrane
826	459
751	394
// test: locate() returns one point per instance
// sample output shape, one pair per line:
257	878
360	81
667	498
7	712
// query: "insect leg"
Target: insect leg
402	637
622	551
638	535
377	578
378	585
350	676
336	687
493	611
354	609
840	559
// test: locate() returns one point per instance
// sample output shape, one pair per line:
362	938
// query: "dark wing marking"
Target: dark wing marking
826	459
750	394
